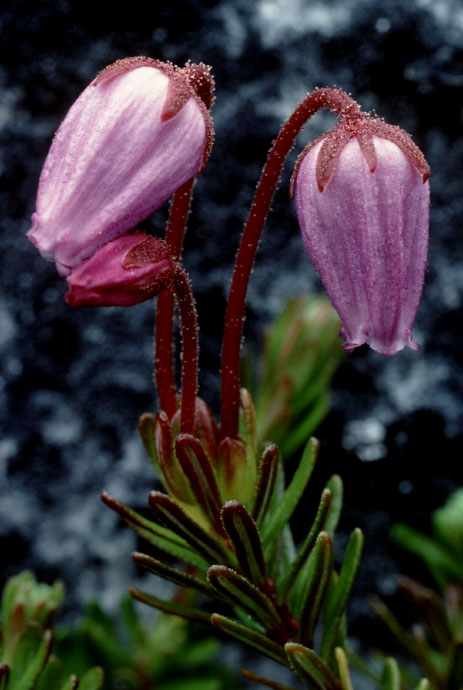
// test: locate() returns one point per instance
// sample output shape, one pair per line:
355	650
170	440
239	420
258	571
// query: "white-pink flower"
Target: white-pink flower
363	209
136	134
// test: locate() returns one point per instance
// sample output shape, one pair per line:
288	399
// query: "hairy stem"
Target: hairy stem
190	350
338	102
164	359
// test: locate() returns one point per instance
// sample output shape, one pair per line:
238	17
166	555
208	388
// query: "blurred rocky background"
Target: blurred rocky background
73	382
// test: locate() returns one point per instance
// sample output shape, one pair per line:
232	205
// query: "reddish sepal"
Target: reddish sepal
367	147
332	146
201	80
404	141
178	93
149	250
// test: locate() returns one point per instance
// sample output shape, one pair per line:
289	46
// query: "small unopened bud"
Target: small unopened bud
128	270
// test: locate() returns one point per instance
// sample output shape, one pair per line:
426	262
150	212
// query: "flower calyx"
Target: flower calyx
124	272
364	127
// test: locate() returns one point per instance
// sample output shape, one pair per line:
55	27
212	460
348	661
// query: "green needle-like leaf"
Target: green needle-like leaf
427	659
250	436
388	618
240	592
423	685
272	530
442	564
306	396
130	620
391	675
163	539
298	565
51	676
301	430
310	668
200	473
185	554
9	598
170	607
4	675
92	680
71	684
343	666
318	578
447	524
133	518
334	484
428	608
175	519
171	574
286	555
31	654
266	478
98	632
245	538
257	640
338	601
172	475
146	429
360	665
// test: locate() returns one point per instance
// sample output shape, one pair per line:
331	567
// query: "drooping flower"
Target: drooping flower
362	201
128	270
135	134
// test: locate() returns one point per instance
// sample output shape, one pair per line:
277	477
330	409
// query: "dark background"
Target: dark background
73	382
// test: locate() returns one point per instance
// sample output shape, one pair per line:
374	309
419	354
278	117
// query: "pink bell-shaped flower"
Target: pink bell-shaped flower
363	207
136	134
128	270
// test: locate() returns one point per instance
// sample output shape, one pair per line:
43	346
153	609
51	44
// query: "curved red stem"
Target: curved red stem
164	339
190	350
335	100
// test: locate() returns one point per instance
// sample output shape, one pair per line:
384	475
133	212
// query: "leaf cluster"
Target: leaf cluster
435	641
287	604
28	612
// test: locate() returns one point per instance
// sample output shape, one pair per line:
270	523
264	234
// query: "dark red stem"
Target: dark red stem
164	359
338	102
190	350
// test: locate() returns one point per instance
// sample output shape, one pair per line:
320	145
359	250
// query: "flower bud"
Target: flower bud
127	270
363	207
136	134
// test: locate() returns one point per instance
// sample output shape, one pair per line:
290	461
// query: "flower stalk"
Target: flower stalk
189	326
164	338
336	101
200	79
